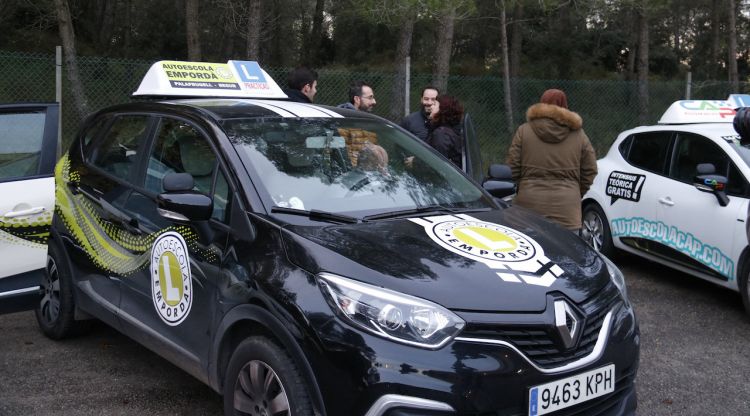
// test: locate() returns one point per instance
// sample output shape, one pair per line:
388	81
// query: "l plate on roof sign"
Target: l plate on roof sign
237	79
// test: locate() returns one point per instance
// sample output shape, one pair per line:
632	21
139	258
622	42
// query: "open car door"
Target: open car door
28	151
472	155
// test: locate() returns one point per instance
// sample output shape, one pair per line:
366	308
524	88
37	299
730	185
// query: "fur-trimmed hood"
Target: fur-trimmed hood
552	123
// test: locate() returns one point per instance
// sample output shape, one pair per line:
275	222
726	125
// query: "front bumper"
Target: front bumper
361	374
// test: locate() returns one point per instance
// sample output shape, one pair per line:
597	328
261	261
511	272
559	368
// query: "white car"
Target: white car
28	145
677	193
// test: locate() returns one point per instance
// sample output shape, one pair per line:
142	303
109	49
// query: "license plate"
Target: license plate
566	392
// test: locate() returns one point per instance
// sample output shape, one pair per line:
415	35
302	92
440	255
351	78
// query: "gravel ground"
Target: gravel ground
694	359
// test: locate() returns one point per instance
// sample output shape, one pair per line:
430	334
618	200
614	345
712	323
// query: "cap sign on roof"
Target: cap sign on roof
704	111
240	79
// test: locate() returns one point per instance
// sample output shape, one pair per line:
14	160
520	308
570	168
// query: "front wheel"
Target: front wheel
55	312
745	289
595	230
262	379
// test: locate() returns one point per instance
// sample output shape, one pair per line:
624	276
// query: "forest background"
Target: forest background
621	62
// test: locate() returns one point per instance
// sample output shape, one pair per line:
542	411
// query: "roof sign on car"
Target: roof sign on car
237	79
704	111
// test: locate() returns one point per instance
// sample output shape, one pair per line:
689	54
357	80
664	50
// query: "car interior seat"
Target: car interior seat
198	160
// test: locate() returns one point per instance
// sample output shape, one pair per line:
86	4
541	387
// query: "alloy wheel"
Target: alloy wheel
50	303
258	391
593	230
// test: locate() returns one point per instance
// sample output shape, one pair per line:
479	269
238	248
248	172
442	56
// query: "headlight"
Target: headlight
616	276
390	314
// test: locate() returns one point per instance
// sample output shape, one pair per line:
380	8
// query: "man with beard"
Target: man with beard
361	97
418	122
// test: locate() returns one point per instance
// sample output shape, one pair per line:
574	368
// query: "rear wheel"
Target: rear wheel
56	310
262	380
595	230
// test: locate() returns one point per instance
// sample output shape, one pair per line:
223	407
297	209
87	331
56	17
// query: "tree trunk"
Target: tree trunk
192	30
564	24
65	25
734	80
105	22
313	44
715	23
506	69
516	42
403	50
443	48
633	46
127	27
643	64
254	26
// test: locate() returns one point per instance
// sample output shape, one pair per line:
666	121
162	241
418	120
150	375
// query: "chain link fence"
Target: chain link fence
606	106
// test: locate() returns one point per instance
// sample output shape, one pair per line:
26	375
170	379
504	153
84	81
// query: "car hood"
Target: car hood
501	260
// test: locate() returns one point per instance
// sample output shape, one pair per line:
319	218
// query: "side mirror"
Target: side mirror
500	181
180	202
708	181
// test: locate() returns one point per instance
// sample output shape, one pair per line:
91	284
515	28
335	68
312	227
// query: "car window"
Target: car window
346	164
221	198
624	147
118	152
648	151
691	150
180	148
21	136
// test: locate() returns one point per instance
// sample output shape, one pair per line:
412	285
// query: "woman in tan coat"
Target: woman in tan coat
552	161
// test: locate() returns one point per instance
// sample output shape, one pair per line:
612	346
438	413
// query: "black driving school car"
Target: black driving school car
310	260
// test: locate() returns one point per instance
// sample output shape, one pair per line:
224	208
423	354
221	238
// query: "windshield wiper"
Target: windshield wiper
315	214
420	210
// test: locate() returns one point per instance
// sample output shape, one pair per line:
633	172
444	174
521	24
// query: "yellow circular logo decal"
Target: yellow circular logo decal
485	240
171	282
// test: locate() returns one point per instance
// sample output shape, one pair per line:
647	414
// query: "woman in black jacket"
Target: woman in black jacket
445	135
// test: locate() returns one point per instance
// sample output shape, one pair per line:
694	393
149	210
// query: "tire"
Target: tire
745	288
595	230
262	379
55	312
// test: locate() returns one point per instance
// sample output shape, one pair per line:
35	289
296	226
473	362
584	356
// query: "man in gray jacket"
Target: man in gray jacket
418	122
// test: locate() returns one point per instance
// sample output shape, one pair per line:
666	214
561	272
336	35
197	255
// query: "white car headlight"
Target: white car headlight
390	314
616	276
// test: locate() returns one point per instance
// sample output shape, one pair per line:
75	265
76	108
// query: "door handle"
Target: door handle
666	201
24	212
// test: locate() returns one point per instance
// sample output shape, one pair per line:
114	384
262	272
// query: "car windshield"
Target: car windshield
347	165
743	151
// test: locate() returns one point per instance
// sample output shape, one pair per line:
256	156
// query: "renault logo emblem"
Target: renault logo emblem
566	323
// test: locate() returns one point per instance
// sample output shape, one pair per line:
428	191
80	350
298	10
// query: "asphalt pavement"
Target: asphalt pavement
695	349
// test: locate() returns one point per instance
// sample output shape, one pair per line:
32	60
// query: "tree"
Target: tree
643	47
192	30
445	27
732	47
506	68
65	25
254	26
313	39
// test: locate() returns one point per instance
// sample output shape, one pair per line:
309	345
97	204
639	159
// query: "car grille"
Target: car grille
538	343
